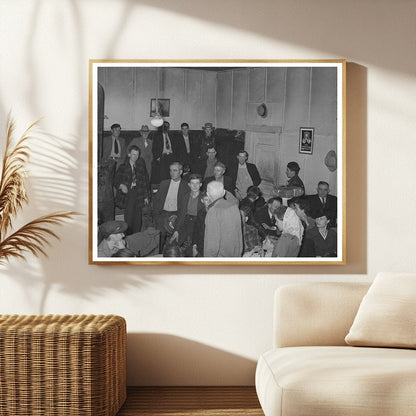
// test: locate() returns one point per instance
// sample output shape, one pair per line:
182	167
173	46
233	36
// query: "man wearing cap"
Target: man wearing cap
322	200
131	179
114	146
145	145
111	234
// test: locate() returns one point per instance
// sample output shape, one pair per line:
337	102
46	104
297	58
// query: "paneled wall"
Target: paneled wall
128	92
295	97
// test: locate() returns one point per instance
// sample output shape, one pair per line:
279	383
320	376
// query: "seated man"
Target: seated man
244	175
111	238
320	241
323	200
251	238
253	200
169	201
266	217
302	209
219	175
113	243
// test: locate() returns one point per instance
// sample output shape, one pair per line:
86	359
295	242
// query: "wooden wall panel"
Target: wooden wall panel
207	106
118	90
324	100
145	80
297	99
224	89
240	98
257	81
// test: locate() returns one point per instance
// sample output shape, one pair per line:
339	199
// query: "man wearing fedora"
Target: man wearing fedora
145	145
163	153
322	200
207	140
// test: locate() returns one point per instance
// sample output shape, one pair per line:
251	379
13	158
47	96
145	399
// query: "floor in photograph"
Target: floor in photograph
187	401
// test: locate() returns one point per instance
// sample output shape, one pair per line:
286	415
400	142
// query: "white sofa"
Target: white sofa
311	371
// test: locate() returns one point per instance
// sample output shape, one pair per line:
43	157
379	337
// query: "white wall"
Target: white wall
204	325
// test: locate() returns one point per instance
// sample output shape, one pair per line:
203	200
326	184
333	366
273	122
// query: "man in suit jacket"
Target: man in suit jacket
114	146
186	147
322	200
132	180
244	175
169	202
266	218
145	145
219	170
163	154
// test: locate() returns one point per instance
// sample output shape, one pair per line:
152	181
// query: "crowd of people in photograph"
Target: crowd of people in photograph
200	207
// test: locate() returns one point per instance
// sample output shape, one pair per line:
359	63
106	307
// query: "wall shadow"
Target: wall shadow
293	21
169	360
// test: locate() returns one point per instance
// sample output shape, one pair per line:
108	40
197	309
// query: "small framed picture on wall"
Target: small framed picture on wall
161	106
306	140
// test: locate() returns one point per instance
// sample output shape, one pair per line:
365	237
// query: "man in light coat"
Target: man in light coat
223	229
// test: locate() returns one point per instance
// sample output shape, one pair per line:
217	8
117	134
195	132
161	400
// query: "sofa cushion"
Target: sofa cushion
304	381
387	314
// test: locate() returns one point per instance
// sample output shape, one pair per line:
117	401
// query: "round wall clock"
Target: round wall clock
262	110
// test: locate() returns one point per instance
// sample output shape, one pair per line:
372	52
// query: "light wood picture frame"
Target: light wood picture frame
222	96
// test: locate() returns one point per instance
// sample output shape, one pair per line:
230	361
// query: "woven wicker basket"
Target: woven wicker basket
71	365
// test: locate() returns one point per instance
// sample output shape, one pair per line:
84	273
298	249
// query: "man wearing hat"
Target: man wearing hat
163	153
114	146
144	143
111	234
207	140
322	200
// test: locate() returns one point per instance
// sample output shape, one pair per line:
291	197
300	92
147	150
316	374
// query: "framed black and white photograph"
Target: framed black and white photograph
161	106
217	181
306	140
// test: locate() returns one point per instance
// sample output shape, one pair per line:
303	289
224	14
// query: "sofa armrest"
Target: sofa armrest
308	314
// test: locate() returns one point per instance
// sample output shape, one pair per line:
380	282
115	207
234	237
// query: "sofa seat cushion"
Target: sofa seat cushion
342	380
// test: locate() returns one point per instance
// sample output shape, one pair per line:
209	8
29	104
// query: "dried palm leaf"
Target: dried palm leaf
32	237
12	185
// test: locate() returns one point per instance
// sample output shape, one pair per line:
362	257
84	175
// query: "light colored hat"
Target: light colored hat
331	161
145	128
208	125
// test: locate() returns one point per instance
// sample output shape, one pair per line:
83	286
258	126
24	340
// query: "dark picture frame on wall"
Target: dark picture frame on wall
217	181
161	106
306	140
